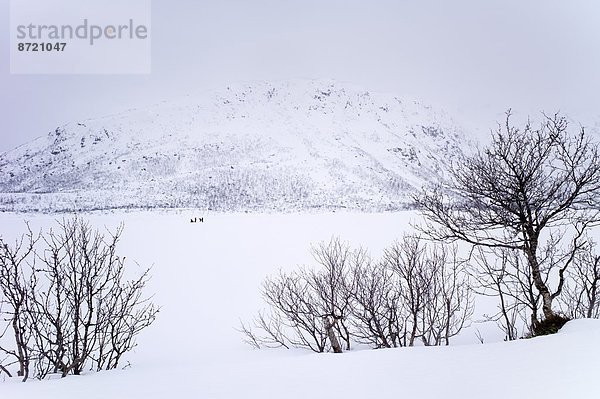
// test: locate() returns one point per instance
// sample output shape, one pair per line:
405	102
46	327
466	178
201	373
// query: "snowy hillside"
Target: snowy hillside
264	146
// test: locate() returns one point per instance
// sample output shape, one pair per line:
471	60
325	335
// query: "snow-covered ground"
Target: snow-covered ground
206	277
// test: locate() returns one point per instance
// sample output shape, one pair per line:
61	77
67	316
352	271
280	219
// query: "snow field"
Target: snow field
207	276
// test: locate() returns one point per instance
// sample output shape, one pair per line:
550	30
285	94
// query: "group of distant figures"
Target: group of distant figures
197	220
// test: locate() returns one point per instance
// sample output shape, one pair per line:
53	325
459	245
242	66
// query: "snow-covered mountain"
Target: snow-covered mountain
263	146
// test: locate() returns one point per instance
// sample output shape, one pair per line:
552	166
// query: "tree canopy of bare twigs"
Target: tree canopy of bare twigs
535	190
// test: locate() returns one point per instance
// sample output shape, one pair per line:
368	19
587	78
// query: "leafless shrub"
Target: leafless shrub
295	306
330	285
15	288
414	293
377	313
79	310
434	290
450	300
406	260
309	308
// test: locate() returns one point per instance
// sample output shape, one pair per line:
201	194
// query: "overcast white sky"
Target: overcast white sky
475	58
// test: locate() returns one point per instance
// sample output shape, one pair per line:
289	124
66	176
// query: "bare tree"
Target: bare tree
377	312
330	283
15	289
434	290
406	259
534	190
295	306
123	312
501	273
450	300
71	305
582	291
309	307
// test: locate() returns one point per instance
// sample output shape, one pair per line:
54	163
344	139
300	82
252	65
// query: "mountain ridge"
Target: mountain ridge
280	146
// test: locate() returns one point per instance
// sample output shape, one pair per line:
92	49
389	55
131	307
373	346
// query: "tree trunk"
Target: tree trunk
447	327
23	356
530	251
413	332
335	344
